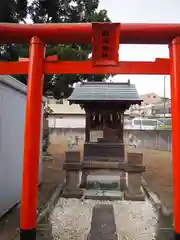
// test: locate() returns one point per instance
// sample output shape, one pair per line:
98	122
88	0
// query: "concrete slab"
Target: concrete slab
103	195
109	182
105	178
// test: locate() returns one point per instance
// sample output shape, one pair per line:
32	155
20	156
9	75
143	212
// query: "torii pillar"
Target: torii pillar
174	49
32	141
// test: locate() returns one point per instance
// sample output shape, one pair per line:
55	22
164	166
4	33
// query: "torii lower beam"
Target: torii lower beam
159	67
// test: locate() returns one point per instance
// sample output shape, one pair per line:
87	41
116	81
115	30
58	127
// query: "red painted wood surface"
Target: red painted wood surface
82	33
160	66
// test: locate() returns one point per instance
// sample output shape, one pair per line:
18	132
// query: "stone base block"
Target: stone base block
44	231
73	193
134	197
135	157
83	181
83	184
123	181
73	156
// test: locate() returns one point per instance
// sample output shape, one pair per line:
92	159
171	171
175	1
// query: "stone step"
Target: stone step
108	195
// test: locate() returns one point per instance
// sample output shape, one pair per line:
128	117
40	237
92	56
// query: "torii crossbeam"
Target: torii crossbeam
105	39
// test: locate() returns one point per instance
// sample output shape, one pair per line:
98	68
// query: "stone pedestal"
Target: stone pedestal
134	191
123	183
106	151
72	189
72	180
84	178
135	158
72	156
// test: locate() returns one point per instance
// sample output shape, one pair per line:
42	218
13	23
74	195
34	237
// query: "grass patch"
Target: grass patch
166	127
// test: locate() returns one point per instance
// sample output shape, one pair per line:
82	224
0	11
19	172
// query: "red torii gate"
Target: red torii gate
105	38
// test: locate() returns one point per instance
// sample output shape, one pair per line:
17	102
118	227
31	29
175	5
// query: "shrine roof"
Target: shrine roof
105	91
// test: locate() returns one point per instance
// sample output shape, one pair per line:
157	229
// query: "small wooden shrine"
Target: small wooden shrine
105	104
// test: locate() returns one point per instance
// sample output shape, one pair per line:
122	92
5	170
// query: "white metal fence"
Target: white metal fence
144	124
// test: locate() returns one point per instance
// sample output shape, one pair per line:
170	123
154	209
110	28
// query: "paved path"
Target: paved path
71	219
103	226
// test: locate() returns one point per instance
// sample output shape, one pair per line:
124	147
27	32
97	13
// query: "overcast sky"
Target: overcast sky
143	11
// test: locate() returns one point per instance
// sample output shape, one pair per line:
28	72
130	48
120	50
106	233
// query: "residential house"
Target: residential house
153	105
150	98
65	115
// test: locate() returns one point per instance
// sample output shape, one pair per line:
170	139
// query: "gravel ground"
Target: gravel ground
71	219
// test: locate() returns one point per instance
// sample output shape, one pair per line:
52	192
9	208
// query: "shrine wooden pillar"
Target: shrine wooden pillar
104	124
175	105
104	120
120	128
87	125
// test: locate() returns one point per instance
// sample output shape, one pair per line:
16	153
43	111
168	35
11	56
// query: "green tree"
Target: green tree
53	11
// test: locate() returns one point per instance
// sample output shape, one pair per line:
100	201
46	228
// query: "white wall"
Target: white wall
12	116
67	121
